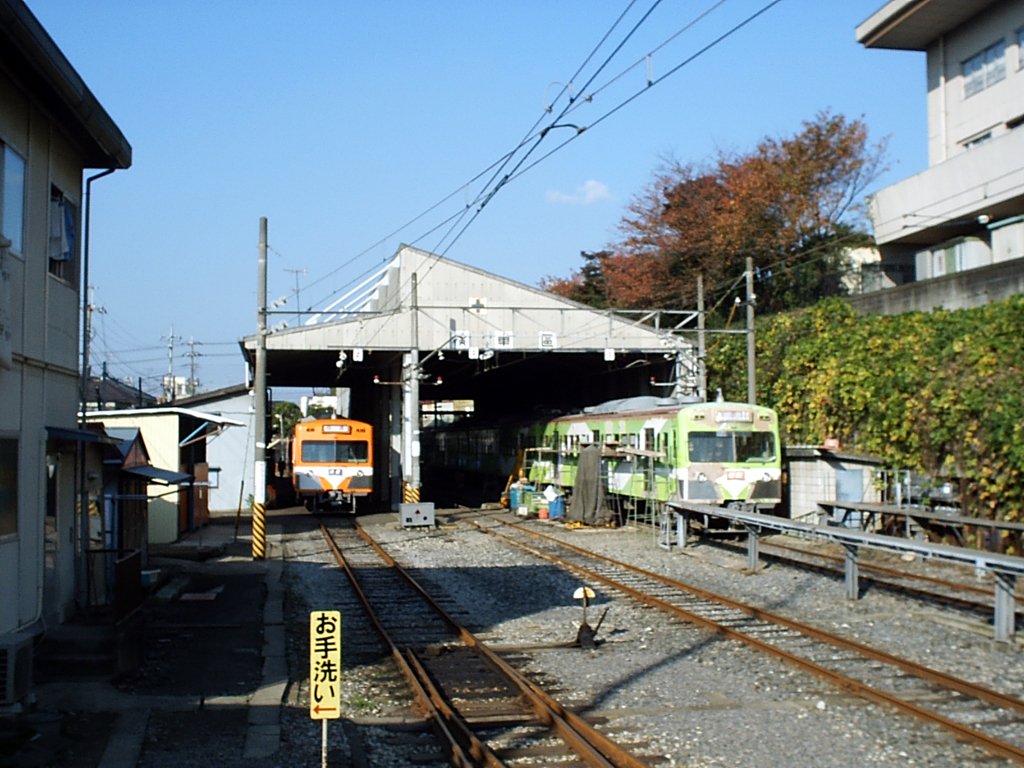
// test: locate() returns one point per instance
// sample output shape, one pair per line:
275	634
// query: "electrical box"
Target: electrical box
415	515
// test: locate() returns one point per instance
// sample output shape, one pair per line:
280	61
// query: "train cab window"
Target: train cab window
649	443
731	447
597	436
335	451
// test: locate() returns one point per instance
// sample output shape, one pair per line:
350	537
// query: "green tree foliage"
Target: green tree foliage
320	411
939	392
290	416
790	205
587	286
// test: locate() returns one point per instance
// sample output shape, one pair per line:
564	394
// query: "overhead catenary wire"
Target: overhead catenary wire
514	172
457	223
721	38
519	169
497	181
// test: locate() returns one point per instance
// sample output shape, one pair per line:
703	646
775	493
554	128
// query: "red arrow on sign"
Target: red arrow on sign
318	709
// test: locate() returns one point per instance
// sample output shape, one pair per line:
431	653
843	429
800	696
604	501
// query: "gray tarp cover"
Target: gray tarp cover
587	505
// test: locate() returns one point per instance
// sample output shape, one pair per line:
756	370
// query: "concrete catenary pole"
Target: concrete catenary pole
259	524
751	382
702	367
411	422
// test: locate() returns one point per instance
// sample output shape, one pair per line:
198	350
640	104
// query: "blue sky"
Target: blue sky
342	121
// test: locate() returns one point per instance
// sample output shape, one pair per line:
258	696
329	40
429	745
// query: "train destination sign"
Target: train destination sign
325	665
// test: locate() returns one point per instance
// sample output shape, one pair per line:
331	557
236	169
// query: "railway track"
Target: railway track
483	711
971	712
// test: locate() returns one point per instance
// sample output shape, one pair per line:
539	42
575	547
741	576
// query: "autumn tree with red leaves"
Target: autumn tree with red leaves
792	205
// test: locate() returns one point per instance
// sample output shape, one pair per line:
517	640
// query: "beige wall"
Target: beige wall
40	390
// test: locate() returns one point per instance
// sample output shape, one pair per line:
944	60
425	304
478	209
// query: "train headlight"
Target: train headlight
767	478
702	478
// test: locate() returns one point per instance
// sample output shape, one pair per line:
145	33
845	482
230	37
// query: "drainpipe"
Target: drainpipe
943	152
82	518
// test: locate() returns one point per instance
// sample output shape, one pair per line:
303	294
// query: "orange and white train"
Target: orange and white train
332	462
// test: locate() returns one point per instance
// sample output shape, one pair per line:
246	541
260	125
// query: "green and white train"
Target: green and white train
652	449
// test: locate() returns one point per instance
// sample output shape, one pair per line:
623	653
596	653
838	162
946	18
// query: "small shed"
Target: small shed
118	521
823	474
176	439
231	455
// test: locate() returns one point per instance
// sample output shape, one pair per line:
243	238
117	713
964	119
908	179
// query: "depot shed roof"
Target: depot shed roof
423	301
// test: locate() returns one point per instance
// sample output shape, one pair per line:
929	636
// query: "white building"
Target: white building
953	235
51	129
230	456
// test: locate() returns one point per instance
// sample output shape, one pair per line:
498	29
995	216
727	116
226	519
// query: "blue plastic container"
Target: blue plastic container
556	508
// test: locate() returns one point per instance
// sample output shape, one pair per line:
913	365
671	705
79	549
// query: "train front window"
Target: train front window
731	447
755	446
335	451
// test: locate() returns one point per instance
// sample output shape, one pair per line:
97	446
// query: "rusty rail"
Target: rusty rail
592	747
863	690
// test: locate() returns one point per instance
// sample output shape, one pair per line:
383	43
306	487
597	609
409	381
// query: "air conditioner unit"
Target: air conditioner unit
15	666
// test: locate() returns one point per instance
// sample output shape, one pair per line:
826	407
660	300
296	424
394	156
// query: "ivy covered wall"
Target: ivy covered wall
942	392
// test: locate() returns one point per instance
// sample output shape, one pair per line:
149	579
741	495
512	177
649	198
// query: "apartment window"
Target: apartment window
985	69
8	486
978	140
63	245
12	197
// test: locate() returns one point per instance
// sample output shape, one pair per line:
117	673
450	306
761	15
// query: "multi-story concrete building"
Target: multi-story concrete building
51	129
953	235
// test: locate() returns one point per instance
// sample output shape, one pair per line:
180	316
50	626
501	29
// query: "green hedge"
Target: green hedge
941	392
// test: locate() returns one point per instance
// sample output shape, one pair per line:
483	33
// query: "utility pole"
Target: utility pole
169	388
259	523
90	307
298	306
192	355
751	383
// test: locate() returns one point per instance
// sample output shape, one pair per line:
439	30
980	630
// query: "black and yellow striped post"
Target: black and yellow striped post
410	494
259	531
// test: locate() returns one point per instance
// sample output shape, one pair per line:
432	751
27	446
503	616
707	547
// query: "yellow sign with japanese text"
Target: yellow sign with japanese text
325	665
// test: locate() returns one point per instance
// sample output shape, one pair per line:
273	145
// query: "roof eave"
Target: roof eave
32	53
913	25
